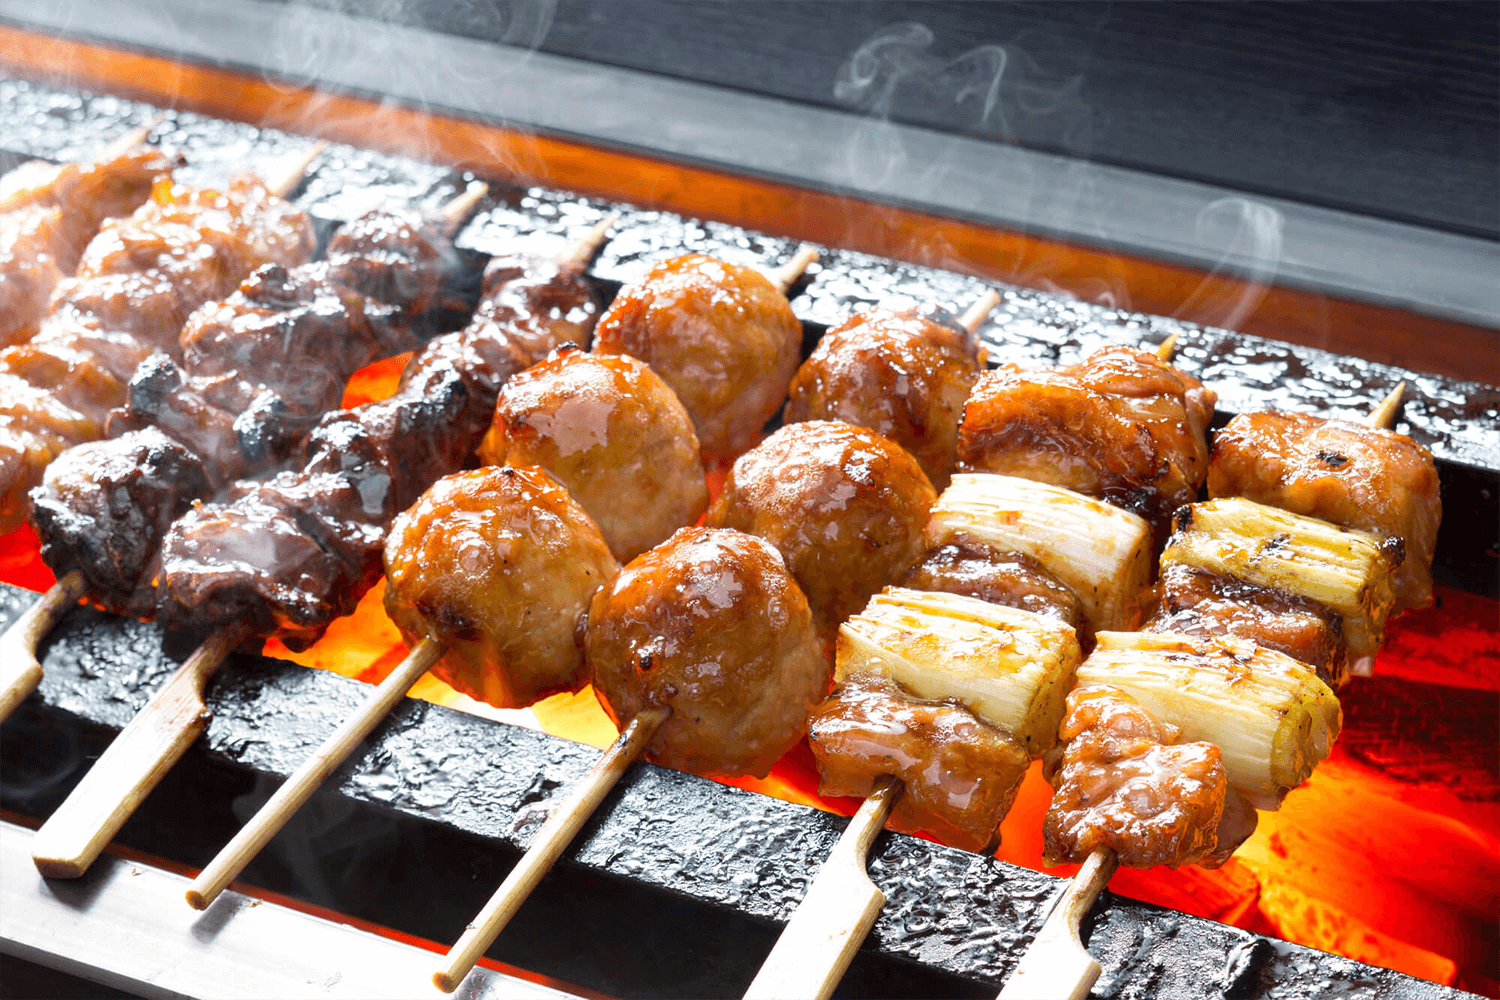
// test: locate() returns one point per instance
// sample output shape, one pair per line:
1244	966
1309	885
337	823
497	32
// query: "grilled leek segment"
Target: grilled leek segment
1009	667
1270	716
1340	568
1102	553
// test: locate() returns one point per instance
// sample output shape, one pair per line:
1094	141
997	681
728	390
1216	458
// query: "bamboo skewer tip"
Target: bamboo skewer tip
283	184
1167	348
20	670
454	213
127	141
975	315
1384	415
787	274
555	835
581	252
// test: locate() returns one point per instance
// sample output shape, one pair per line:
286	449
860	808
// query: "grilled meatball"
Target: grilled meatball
1009	578
395	257
1124	782
1345	473
1123	426
611	432
103	507
710	625
499	565
901	375
720	335
960	774
845	507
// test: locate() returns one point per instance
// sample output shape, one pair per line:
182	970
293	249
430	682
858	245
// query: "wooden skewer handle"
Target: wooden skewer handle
298	788
819	942
559	830
20	670
135	762
1057	966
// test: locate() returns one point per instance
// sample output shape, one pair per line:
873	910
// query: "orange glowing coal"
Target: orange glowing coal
1389	854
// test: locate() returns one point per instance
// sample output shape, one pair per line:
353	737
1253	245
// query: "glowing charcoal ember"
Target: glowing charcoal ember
1269	715
1345	570
1100	552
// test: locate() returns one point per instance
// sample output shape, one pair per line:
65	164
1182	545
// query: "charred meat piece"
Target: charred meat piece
614	434
1349	474
960	774
903	376
499	565
711	625
103	508
1122	426
845	507
1013	579
395	257
722	336
1125	782
1195	602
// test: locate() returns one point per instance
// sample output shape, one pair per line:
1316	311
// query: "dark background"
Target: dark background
1389	109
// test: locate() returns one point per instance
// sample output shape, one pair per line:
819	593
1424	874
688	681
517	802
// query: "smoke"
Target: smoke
1247	237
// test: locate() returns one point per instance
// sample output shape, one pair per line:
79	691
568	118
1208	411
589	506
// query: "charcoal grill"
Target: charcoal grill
680	885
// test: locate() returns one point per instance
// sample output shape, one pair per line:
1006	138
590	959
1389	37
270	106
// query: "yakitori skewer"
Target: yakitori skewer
349	467
269	327
1057	965
137	281
842	903
756	565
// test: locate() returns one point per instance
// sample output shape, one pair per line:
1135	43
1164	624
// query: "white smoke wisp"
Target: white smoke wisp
1247	236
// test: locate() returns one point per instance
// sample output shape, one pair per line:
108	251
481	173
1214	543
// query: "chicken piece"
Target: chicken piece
1010	578
540	304
712	626
1123	426
845	507
1124	782
960	775
903	376
33	254
499	565
613	433
85	194
103	507
531	308
395	257
1349	474
260	367
1194	602
253	561
720	335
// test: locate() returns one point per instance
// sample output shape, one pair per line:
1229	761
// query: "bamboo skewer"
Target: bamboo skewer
158	736
299	787
819	942
134	764
20	671
555	835
565	822
1056	966
129	140
456	210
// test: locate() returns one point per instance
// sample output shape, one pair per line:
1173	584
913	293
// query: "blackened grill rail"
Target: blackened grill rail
677	889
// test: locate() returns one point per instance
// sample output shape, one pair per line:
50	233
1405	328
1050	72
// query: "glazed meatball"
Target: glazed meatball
499	565
902	376
720	335
845	506
712	626
613	433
